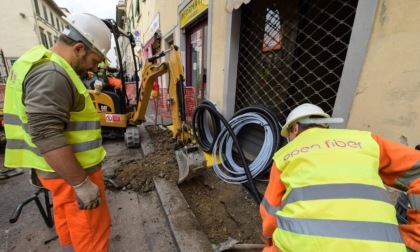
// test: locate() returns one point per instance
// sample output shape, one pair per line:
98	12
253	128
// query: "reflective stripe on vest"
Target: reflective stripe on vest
72	126
335	199
342	229
270	209
336	191
13	144
83	131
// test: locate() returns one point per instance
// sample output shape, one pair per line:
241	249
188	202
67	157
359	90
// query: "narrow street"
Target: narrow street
157	221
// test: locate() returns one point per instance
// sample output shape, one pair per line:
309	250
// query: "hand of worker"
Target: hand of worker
267	240
87	194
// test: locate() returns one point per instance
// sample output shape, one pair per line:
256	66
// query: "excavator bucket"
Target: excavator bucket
191	162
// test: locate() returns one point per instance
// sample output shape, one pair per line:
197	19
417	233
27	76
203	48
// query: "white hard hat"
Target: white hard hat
302	114
90	30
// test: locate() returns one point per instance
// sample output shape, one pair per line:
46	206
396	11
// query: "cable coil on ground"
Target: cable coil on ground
223	141
204	132
211	108
230	170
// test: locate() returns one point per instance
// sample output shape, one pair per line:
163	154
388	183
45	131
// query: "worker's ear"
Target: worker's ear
296	128
79	49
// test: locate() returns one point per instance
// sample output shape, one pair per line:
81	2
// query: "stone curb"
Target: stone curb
186	230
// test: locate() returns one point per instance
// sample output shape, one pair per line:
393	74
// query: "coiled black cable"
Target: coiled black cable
208	106
204	133
273	124
222	139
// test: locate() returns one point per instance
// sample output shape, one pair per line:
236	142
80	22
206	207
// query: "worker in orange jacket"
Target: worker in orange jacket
326	190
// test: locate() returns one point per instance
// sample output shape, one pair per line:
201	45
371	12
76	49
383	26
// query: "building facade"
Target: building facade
37	22
356	59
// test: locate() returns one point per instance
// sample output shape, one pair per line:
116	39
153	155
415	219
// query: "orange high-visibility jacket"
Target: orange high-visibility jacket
326	193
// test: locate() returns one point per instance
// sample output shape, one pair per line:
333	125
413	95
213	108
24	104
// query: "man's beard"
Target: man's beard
79	65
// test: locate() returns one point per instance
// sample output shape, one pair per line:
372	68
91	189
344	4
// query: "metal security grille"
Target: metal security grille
291	52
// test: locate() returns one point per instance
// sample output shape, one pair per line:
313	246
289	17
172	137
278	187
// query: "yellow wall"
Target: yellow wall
218	52
387	98
168	16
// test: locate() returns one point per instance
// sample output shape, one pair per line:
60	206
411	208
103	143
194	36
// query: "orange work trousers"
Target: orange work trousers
85	230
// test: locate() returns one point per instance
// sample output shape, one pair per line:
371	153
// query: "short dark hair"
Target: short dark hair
70	42
308	126
303	127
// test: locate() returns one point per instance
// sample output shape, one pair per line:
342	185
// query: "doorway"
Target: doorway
196	60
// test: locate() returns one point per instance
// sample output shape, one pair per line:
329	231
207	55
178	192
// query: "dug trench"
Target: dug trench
223	210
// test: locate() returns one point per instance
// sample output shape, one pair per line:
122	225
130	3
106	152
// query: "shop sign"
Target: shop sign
154	26
137	37
192	10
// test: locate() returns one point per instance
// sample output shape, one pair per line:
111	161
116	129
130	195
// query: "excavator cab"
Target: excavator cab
112	103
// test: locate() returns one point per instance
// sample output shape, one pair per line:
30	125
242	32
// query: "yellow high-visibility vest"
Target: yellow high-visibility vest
335	199
83	131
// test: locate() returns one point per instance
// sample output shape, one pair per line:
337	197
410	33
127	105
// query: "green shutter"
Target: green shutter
36	6
138	8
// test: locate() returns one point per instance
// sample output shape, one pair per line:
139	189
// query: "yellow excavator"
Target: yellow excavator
119	118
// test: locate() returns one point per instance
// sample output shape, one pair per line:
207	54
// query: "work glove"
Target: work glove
87	194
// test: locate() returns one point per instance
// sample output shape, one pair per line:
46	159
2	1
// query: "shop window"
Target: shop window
196	65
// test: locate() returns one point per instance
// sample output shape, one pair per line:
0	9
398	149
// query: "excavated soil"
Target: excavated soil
223	210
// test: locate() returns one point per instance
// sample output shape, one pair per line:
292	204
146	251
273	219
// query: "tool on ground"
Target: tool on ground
113	183
50	240
232	244
9	173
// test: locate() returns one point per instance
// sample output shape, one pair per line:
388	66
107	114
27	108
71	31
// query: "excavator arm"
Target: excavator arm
151	71
191	161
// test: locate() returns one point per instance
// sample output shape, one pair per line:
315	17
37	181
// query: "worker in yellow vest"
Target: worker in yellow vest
53	128
104	73
326	190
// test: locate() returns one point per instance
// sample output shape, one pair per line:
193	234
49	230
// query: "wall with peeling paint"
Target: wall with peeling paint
387	98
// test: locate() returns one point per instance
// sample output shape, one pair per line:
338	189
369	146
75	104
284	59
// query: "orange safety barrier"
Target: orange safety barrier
164	109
